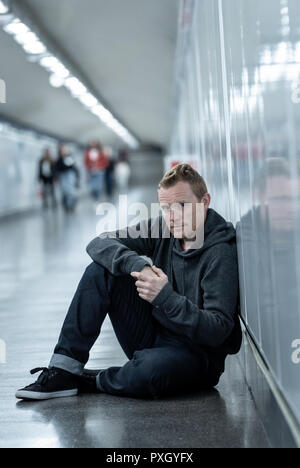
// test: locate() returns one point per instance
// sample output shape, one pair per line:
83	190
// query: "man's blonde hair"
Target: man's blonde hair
185	173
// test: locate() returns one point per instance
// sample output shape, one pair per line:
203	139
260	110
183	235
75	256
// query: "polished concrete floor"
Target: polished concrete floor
42	259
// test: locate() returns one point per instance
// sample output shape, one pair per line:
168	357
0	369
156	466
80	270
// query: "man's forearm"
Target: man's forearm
117	258
121	251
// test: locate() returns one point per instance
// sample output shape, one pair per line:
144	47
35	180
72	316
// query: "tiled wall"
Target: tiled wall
237	107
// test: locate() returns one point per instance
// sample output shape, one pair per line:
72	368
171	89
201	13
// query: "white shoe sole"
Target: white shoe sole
24	395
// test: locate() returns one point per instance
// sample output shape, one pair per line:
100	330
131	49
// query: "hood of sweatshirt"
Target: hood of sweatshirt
216	231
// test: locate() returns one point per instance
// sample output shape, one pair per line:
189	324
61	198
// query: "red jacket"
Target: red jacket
95	159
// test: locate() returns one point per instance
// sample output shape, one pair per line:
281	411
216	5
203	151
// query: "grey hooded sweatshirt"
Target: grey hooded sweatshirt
200	303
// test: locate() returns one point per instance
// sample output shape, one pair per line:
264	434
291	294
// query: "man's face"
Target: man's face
183	212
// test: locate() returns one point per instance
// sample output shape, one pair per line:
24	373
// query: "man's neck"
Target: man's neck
186	244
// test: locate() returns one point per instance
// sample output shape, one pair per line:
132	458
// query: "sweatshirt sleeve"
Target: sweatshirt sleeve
121	251
212	324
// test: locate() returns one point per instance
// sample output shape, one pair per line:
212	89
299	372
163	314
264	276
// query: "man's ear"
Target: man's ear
206	200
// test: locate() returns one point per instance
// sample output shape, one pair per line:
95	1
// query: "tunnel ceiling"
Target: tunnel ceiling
125	48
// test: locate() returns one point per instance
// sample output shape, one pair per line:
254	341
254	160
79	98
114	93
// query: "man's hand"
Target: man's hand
150	282
147	272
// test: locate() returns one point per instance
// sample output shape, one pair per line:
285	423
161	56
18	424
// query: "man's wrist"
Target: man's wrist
163	295
137	265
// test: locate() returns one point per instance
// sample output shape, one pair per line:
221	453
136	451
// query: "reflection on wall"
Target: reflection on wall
238	108
19	155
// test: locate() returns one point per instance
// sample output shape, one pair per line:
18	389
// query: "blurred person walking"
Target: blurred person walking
122	170
46	173
109	171
96	162
68	175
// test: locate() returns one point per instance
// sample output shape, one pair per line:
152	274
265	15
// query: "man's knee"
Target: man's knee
97	276
94	269
97	272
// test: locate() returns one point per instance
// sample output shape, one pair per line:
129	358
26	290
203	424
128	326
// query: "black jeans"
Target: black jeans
158	363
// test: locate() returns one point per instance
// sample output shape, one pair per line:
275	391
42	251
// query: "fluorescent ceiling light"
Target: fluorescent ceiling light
102	113
122	132
3	8
35	48
48	61
116	126
56	81
75	86
97	110
60	70
112	124
119	128
107	117
55	66
131	142
88	100
16	27
26	38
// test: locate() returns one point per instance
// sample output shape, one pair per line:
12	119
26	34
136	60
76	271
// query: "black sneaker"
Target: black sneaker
52	383
87	381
